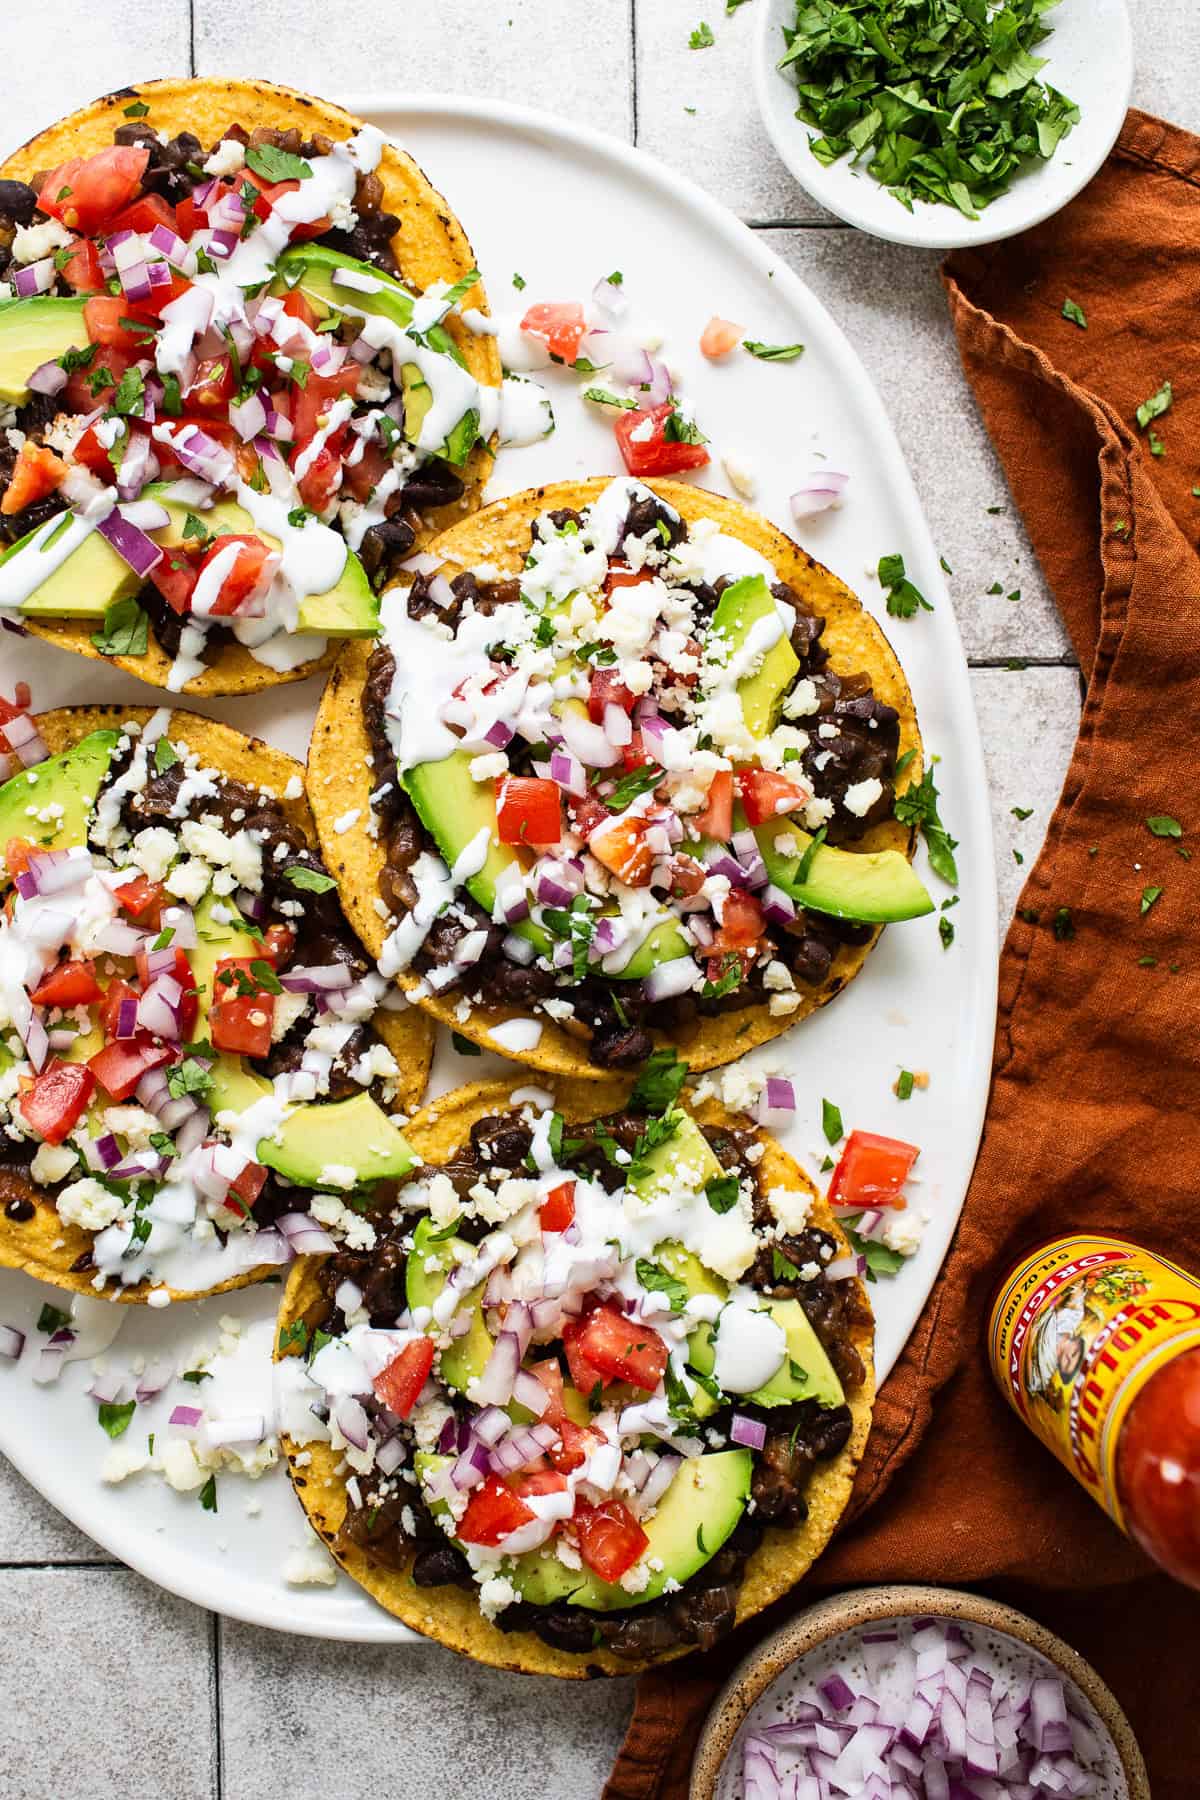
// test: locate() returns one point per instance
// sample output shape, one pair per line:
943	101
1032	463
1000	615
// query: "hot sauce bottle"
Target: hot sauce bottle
1096	1346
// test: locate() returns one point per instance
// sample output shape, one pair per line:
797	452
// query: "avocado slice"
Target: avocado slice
32	332
354	1133
878	887
805	1373
87	581
311	267
465	1357
746	605
694	1517
71	780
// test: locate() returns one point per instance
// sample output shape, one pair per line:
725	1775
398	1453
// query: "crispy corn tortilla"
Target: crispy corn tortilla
342	780
46	1247
451	1614
430	246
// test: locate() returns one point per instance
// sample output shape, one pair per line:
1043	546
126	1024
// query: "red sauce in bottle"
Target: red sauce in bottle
1096	1346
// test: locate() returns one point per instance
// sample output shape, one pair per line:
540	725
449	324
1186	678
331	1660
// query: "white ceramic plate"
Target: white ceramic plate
564	206
1089	58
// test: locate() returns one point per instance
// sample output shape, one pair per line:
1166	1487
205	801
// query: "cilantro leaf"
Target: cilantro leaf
629	787
772	352
657	1280
165	755
904	599
188	1077
274	164
52	1318
125	632
702	38
309	881
208	1495
831	1122
463	1045
1075	314
114	1416
1150	895
879	1258
917	805
721	1192
657	1087
1158	404
1163	826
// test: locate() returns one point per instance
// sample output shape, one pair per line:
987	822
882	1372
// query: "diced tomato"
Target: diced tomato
621	1348
36	473
102	319
298	306
719	337
94	455
549	1374
527	810
120	1065
742	923
399	1385
687	876
559	324
71	984
161	297
633	754
493	1511
717	969
212	386
175	575
240	1020
55	1103
81	268
620	844
619	576
610	1538
584	1375
110	363
144	213
765	794
269	193
86	192
278	943
539	1481
248	1184
110	1006
17	851
646	448
360	478
577	1442
249	575
322	479
607	689
716	821
557	1210
871	1171
586	813
143	899
311	403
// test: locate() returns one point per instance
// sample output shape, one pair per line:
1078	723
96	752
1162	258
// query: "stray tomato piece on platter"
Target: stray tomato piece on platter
648	446
871	1171
559	324
719	337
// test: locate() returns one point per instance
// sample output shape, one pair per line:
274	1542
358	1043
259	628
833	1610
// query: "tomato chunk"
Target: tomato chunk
539	1481
765	794
243	1010
143	898
550	1375
175	575
716	821
527	810
120	1066
144	213
557	1210
110	1005
55	1103
248	1184
114	324
584	1375
610	1538
619	576
94	386
36	473
620	844
244	575
577	1442
311	403
71	984
401	1382
86	192
322	479
607	689
648	447
742	923
559	324
719	337
871	1171
81	268
493	1511
622	1349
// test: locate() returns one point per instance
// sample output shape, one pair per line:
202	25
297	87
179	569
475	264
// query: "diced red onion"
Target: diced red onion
658	1481
351	1420
153	1380
26	743
471	1466
133	546
319	978
523	1445
494	1387
12	1342
778	907
347	1296
491	1424
530	1392
102	1152
558	882
569	773
470	948
518	949
750	1432
667	979
844	1268
837	1691
37	1042
512	901
588	742
610	297
34	278
817	492
776	1103
499	735
618	727
107	1388
248	417
187	1416
304	1236
48	378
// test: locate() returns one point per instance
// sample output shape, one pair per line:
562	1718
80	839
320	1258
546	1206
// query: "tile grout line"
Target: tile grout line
218	1763
52	1563
191	37
633	71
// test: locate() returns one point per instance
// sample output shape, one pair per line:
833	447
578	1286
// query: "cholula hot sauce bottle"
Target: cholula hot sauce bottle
1096	1346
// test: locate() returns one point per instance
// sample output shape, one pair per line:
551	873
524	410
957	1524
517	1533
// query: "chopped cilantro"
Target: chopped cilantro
208	1495
138	110
196	1376
1074	313
997	587
917	805
658	1085
114	1416
879	1259
1162	825
729	979
163	940
721	1192
130	392
172	401
904	1085
165	755
1149	896
125	631
831	1122
1063	923
52	1318
946	569
946	932
678	429
904	599
1158	404
295	1333
309	881
274	164
188	1077
772	352
701	38
1018	857
164	1143
657	1280
1021	812
518	282
268	981
602	397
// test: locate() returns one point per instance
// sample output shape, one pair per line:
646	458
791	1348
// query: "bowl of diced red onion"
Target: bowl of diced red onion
916	1693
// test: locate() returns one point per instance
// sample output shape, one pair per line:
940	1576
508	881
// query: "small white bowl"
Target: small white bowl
1089	58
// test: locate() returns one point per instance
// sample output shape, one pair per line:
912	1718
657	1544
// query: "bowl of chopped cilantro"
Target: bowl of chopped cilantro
944	123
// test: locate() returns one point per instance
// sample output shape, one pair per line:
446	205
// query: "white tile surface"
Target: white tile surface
67	52
32	1531
1028	720
108	1689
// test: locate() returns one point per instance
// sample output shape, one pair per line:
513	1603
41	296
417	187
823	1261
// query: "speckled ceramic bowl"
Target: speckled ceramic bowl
712	1780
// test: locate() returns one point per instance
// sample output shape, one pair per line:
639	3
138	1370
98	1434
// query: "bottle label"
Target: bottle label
1077	1330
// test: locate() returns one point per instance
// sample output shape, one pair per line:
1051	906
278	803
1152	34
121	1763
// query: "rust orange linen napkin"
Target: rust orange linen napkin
1094	1118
